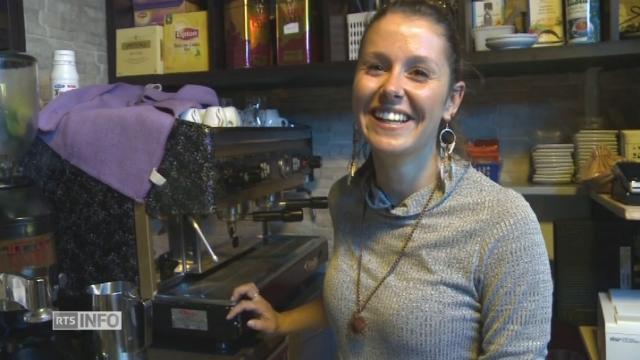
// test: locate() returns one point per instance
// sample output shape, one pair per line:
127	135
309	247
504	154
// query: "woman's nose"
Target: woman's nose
392	88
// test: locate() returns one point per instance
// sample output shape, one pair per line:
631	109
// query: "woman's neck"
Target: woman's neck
400	177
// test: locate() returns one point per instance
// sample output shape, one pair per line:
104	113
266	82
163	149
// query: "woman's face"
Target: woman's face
402	87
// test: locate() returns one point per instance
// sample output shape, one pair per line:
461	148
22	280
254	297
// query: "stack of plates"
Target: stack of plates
587	140
552	163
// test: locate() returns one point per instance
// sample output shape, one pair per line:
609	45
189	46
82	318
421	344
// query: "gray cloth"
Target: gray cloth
475	282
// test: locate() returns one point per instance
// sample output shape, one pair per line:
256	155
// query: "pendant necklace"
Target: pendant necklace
358	324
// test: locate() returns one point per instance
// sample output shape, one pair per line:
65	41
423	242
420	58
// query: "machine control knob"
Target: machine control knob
265	170
284	165
295	164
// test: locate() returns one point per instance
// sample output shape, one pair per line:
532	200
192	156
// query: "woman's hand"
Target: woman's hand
266	320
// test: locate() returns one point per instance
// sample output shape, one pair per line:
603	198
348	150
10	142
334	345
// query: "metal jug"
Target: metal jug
135	336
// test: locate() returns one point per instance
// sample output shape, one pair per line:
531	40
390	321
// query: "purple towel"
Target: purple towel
117	133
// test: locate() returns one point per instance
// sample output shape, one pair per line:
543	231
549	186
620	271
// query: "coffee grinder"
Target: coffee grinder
27	247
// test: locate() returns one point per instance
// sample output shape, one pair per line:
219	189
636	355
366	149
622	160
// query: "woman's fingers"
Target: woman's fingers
265	317
246	305
249	290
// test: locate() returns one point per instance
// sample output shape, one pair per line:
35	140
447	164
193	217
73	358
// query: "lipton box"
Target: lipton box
248	35
152	12
186	42
298	31
139	51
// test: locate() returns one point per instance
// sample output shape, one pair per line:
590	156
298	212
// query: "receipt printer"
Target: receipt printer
619	324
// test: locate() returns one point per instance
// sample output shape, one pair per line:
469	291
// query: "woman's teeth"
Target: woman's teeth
391	116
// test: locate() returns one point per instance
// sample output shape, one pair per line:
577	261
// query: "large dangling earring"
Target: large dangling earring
447	143
355	154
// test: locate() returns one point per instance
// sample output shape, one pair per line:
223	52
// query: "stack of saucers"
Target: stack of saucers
587	140
552	163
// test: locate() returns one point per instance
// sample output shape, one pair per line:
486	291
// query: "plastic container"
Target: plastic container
64	76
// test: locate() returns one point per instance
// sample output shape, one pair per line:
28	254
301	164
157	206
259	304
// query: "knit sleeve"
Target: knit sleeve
515	290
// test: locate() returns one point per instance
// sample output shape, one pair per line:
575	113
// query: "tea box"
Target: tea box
248	38
139	51
629	18
186	42
152	12
545	19
583	21
488	12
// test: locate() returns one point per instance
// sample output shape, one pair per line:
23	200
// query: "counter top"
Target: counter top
539	189
624	211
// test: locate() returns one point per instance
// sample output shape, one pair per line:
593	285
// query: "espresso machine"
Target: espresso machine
208	224
27	246
207	227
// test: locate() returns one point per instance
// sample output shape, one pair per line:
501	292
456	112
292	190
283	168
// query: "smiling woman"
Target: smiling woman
431	259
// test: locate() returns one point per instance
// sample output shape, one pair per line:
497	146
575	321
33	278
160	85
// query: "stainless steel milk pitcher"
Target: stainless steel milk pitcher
130	342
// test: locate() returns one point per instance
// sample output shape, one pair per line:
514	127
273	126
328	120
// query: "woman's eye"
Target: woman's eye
420	74
374	68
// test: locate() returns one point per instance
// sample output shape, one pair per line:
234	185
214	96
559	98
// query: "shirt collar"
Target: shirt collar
376	199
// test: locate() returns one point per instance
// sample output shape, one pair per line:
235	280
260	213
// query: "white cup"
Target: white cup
271	118
216	116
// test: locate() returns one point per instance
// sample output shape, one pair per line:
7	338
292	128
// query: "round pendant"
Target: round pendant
357	324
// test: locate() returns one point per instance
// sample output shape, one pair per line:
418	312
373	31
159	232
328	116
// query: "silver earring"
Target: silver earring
447	143
355	152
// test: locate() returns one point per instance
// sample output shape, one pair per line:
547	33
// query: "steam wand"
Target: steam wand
196	227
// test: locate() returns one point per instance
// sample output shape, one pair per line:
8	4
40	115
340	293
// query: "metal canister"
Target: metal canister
583	21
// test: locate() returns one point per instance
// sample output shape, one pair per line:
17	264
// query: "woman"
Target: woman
431	260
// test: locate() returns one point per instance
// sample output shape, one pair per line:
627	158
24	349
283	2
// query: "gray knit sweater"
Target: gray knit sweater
475	283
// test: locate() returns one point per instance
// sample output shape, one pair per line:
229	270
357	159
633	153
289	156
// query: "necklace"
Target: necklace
358	324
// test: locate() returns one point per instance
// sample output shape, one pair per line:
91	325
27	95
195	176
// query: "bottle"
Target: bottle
64	76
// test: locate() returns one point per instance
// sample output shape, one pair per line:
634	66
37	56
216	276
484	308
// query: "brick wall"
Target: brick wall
77	25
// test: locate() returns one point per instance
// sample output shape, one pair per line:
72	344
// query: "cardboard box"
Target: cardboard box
186	42
152	12
488	13
139	51
248	38
629	20
298	31
545	19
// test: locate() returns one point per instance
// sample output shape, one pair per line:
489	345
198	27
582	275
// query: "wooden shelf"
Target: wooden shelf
319	74
536	189
624	211
554	59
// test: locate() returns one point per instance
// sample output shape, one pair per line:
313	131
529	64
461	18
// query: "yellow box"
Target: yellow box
186	42
152	12
139	51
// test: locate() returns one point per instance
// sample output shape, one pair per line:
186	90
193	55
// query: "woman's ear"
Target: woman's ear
454	100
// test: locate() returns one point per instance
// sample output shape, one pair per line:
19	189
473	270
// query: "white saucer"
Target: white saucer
553	146
551	181
511	41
